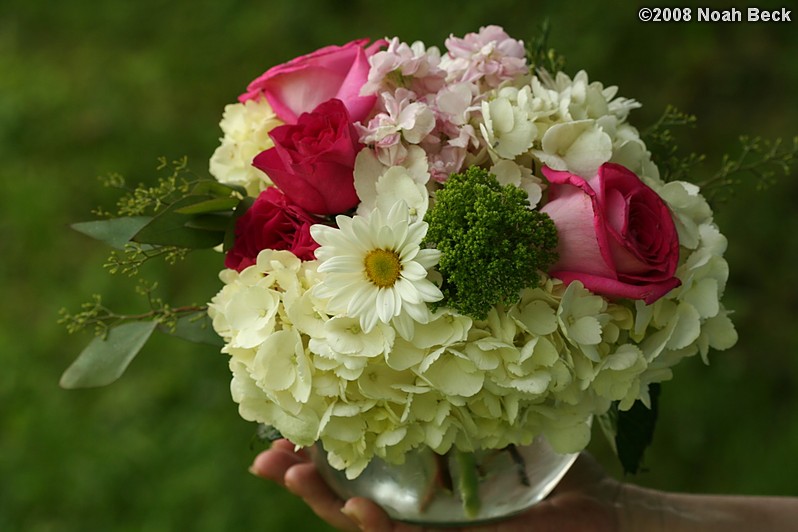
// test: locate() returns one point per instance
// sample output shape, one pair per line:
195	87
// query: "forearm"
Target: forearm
649	510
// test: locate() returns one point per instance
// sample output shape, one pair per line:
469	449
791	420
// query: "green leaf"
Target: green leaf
635	431
608	422
211	205
105	358
196	328
115	232
267	433
210	222
214	188
169	228
229	235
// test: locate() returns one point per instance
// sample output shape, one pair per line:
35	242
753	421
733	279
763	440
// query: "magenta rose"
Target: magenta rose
616	235
301	84
313	161
272	222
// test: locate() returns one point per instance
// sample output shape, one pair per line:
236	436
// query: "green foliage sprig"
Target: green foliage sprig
167	220
132	258
119	337
759	158
95	315
178	214
149	199
540	55
660	140
492	244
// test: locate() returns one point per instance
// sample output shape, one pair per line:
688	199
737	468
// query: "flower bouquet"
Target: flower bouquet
463	254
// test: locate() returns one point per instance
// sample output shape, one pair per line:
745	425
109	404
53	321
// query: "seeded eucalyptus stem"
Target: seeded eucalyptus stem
95	314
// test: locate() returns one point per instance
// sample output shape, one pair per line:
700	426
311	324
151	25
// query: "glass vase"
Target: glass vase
457	488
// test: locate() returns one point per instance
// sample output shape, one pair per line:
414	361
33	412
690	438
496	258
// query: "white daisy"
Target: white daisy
375	269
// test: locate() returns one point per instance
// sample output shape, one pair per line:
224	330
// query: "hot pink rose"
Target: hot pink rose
301	84
616	234
272	222
313	161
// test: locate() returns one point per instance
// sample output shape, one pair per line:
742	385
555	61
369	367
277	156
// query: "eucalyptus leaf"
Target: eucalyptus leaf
211	205
105	358
169	228
229	235
215	188
210	222
196	328
115	232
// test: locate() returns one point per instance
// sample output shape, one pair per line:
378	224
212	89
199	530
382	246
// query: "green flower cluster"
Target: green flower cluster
492	244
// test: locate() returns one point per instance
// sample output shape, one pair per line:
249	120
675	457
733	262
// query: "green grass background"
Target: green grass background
88	88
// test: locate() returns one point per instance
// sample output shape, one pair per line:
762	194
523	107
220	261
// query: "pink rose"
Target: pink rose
616	234
313	161
301	84
272	222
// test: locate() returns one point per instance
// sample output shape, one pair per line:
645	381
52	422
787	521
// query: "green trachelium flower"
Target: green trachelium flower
492	244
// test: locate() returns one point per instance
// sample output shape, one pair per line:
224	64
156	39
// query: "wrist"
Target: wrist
641	508
651	510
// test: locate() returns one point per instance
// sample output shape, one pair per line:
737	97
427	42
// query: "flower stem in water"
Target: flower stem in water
468	483
520	464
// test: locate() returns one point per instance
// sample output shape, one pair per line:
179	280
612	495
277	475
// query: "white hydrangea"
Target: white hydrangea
246	129
508	127
580	147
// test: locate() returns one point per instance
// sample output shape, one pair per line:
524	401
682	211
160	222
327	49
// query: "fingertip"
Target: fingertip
366	514
304	481
273	464
353	514
300	477
283	445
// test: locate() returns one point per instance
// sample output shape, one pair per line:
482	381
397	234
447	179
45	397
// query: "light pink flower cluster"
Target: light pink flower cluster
490	55
401	65
430	100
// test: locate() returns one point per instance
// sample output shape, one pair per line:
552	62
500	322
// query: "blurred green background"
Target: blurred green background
88	88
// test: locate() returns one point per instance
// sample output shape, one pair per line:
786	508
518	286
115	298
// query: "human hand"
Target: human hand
583	500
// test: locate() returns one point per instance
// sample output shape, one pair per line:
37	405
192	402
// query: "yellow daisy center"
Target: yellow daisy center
382	267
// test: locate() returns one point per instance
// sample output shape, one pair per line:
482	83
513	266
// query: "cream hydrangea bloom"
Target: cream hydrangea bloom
246	129
507	127
380	186
580	147
248	308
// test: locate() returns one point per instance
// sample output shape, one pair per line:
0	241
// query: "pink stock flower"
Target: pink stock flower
447	160
490	54
312	162
272	222
413	67
617	236
404	120
303	83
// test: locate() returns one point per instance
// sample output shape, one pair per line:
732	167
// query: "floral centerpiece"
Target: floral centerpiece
452	250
